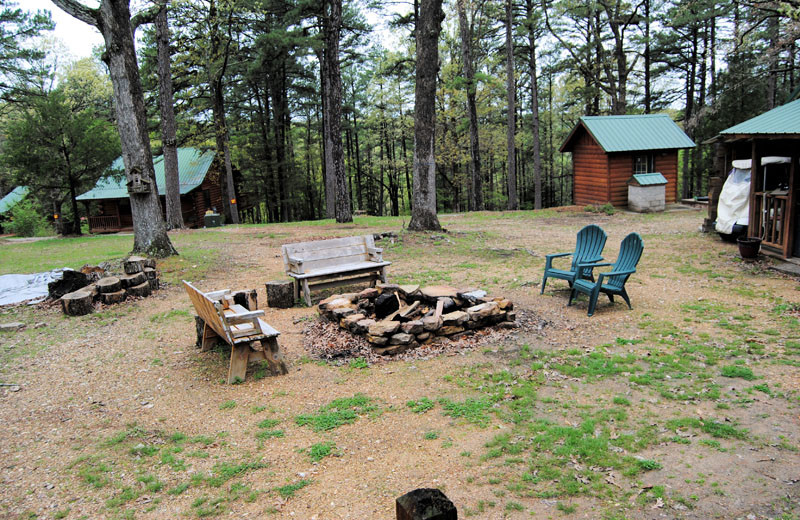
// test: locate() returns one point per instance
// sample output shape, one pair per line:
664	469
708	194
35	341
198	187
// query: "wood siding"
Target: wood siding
666	163
590	171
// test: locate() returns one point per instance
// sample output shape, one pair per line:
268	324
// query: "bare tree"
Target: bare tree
168	126
333	84
513	202
113	19
466	31
428	27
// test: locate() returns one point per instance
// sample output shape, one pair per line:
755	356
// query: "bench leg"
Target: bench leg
307	293
274	356
383	274
209	338
296	289
238	368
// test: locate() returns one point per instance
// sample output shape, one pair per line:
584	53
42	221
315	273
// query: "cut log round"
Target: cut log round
113	297
150	273
247	299
77	303
153	284
280	294
137	264
142	289
129	280
109	284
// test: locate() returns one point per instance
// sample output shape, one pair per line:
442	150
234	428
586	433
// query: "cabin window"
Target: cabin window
643	163
207	198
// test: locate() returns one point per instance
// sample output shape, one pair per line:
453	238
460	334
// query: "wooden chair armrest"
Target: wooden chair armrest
375	253
242	317
295	264
593	264
216	295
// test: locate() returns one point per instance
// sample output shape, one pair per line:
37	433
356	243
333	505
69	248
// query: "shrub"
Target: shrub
26	221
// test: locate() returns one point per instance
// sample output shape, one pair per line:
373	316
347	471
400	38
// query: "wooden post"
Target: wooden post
425	504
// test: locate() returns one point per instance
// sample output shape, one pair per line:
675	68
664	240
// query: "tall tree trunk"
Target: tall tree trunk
537	143
513	202
328	178
222	137
168	126
476	183
113	19
773	54
428	27
333	151
647	57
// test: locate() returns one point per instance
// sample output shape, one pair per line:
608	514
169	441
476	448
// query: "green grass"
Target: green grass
738	371
338	413
421	405
227	405
319	451
44	255
289	490
224	471
475	411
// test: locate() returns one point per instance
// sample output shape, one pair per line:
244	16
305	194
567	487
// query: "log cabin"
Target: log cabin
608	150
199	181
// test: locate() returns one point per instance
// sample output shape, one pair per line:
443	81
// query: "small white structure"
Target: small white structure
646	192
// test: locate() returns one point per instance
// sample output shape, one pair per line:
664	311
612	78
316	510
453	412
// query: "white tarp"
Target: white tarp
734	201
15	288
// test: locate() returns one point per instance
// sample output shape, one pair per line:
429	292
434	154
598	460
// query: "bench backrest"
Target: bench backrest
320	254
210	311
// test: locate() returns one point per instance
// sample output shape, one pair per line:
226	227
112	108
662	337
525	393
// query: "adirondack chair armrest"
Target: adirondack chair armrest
549	259
600	276
243	317
295	264
375	254
592	260
593	264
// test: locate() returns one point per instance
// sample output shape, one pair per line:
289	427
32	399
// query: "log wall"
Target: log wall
590	171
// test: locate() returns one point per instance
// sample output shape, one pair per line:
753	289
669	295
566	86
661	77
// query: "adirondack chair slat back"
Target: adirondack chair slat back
630	251
590	242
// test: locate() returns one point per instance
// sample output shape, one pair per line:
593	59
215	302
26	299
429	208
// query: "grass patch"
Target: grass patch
339	412
738	371
319	451
420	406
289	490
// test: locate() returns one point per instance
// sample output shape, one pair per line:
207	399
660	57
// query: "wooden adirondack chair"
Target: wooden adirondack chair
612	282
588	249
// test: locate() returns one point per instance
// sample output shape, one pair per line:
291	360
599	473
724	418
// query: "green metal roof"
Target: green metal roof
649	179
193	164
11	199
633	133
784	119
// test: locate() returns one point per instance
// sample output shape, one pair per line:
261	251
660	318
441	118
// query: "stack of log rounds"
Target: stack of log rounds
110	289
140	280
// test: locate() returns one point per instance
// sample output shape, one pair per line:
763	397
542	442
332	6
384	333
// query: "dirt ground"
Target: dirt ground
626	414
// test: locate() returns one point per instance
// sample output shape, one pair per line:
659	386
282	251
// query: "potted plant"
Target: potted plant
749	246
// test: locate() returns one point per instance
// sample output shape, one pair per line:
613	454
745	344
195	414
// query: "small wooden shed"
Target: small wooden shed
772	142
608	150
199	187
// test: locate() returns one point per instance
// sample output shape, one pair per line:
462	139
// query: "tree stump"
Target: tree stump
152	277
142	290
70	281
77	303
129	280
113	297
137	264
425	504
109	284
280	294
247	299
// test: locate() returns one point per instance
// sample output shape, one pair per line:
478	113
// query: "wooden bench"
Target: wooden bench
250	337
334	262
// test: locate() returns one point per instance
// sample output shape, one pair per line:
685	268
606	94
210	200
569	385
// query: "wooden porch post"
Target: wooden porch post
754	227
791	210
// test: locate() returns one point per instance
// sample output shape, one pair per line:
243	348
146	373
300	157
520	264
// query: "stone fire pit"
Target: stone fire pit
395	318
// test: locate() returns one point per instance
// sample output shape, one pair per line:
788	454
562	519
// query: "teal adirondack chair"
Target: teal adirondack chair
612	282
588	248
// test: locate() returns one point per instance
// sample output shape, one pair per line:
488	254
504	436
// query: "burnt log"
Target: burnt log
77	303
386	304
280	294
70	281
425	504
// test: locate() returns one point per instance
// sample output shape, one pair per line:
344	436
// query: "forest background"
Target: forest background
258	68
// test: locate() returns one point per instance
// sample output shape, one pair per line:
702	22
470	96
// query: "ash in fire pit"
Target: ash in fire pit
396	318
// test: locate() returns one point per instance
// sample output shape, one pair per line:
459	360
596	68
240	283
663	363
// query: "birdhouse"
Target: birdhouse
138	183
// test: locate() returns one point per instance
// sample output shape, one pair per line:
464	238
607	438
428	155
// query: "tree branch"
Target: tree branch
79	11
145	16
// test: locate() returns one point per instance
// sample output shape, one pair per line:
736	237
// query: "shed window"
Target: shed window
643	163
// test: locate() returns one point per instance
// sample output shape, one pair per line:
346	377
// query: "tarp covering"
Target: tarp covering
15	288
734	201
